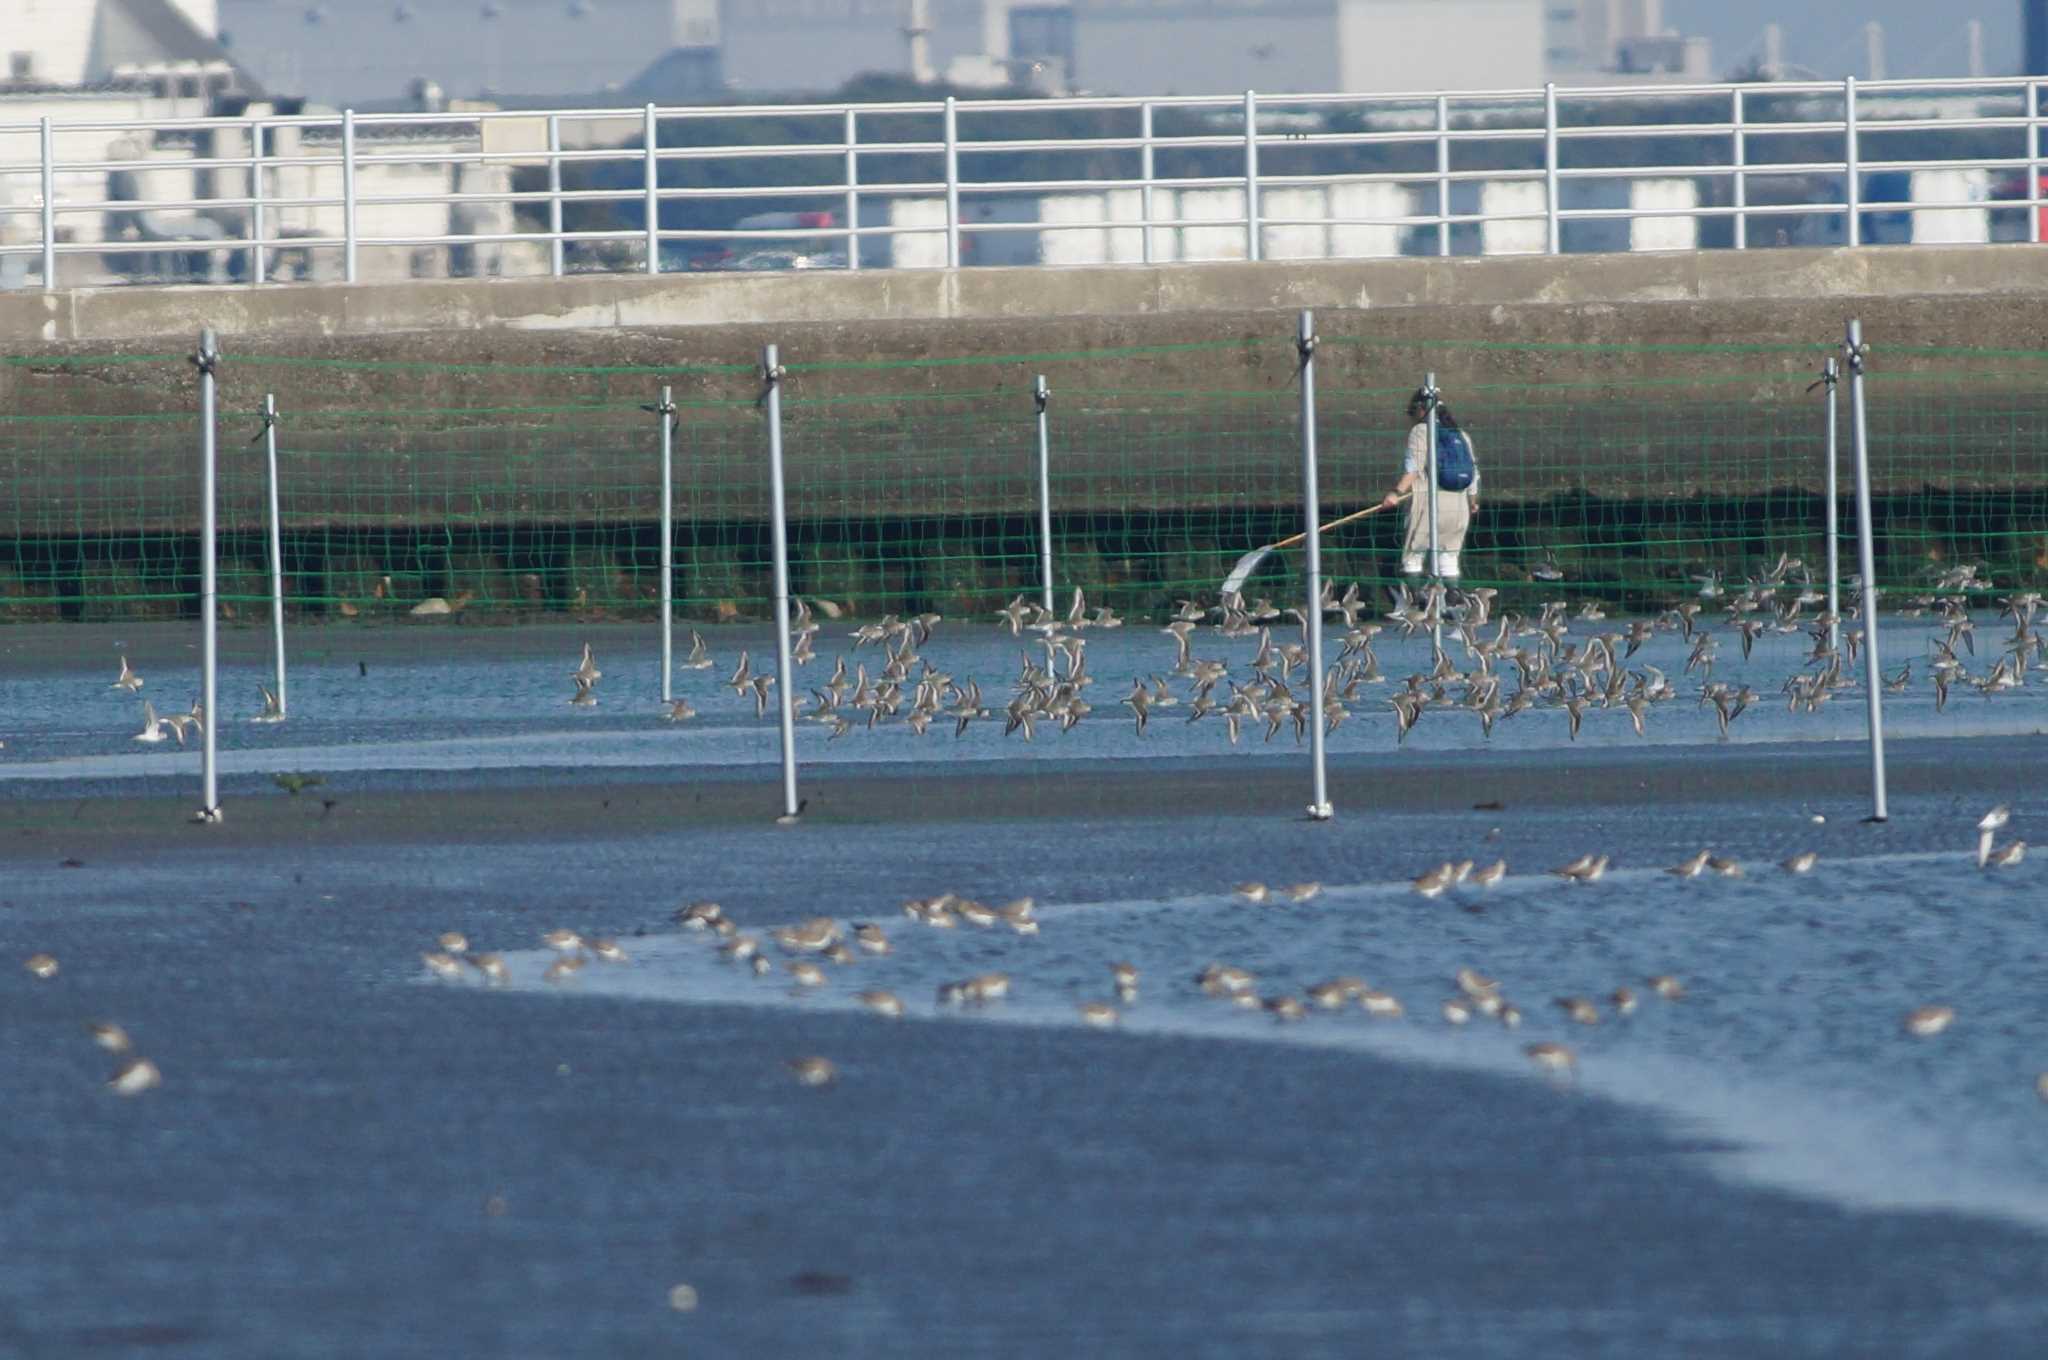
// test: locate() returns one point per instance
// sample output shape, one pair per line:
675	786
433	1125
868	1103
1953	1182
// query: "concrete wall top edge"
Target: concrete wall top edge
132	314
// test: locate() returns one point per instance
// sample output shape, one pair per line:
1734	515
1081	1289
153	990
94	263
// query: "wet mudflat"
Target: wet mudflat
349	1154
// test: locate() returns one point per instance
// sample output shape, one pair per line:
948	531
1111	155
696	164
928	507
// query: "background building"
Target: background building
370	52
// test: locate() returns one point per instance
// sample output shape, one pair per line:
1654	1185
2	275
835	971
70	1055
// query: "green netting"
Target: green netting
515	492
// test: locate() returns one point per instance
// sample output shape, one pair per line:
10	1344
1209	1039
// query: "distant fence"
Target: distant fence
959	183
913	485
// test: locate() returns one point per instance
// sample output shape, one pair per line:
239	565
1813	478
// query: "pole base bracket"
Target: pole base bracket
212	816
1321	812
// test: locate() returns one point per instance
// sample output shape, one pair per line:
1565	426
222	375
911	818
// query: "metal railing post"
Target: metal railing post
1550	182
276	550
1145	175
651	171
1741	188
1866	558
48	140
852	190
771	400
1830	378
556	261
1319	809
1041	395
258	220
208	361
952	132
1443	174
1852	161
1251	175
348	195
2034	162
666	411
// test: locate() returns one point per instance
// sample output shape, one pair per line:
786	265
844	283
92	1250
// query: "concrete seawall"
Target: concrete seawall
1701	282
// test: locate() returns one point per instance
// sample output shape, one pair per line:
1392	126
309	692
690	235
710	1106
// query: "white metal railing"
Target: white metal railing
657	189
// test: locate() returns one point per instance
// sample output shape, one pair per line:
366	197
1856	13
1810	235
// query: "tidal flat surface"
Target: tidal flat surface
348	1154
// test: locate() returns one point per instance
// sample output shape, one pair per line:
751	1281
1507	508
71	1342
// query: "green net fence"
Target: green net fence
511	493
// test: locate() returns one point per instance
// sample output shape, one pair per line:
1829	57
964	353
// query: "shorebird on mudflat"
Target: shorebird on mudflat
1988	826
153	727
2005	856
1099	1015
1380	1005
812	1071
699	915
1579	1009
1801	863
885	1004
273	711
1692	866
1926	1021
1666	986
1552	1058
1585	869
1434	883
127	680
134	1077
442	965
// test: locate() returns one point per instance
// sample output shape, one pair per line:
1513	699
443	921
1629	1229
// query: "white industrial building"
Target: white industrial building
369	52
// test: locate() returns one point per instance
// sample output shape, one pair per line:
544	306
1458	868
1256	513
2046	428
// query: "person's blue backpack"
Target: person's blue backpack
1455	470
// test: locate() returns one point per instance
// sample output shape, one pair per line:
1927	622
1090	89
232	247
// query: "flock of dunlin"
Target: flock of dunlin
1474	654
1488	668
816	950
133	1073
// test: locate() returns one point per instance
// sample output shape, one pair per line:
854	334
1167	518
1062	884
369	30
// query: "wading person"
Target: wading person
1456	490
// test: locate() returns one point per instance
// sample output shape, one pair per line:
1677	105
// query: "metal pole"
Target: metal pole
1741	179
2034	162
667	412
1550	184
1042	395
1443	174
555	252
771	374
49	154
258	227
1866	558
1251	175
348	195
276	550
952	129
1832	377
651	171
207	360
1430	398
1319	809
1851	161
1145	174
852	190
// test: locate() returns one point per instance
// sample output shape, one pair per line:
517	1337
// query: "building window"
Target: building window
21	65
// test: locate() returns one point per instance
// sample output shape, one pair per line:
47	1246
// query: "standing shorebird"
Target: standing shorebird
1927	1021
1553	1058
